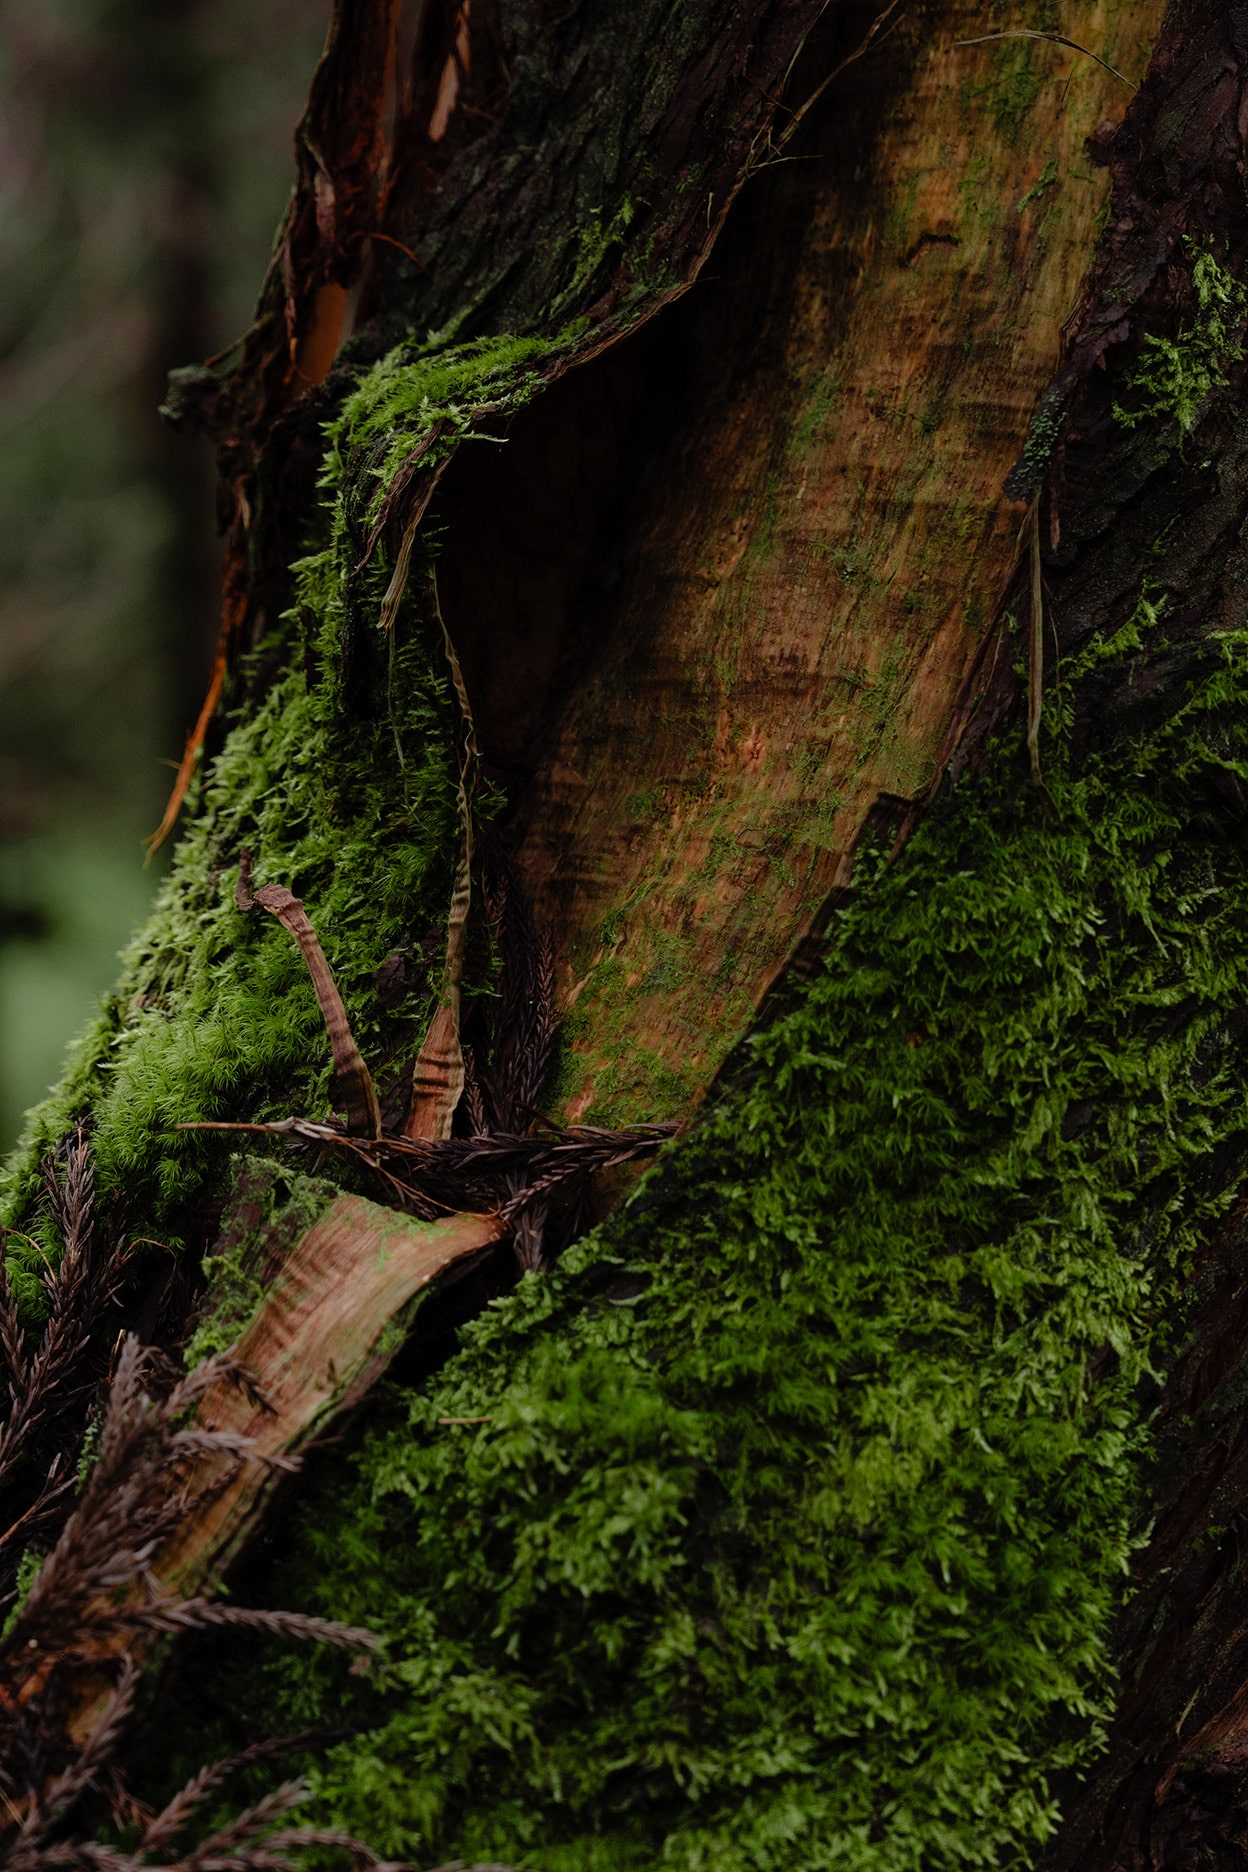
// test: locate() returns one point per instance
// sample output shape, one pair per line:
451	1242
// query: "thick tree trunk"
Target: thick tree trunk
829	699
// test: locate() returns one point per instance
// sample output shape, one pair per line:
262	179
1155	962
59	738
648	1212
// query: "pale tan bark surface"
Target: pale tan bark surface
815	564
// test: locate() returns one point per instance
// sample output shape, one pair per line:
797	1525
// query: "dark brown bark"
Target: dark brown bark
1172	1789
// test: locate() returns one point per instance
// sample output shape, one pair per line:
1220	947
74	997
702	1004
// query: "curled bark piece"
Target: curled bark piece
355	1081
182	1477
325	1331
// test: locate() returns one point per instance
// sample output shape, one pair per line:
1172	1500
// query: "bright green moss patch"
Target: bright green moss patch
413	397
341	783
215	1016
809	1485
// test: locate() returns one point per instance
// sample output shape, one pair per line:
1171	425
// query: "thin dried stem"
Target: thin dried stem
1029	32
354	1079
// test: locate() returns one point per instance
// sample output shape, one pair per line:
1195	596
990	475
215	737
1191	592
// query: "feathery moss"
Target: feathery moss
809	1485
341	783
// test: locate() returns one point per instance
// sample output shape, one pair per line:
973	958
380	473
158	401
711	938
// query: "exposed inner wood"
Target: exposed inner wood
767	627
323	1335
335	1314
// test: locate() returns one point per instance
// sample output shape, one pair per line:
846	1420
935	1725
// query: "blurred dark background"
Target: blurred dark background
145	160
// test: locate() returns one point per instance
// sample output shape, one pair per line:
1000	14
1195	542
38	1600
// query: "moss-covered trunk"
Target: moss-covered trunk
735	614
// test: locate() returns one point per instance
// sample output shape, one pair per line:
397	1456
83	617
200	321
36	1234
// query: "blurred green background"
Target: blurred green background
145	160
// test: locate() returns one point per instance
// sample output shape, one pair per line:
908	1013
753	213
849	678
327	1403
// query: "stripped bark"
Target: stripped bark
169	1500
438	1075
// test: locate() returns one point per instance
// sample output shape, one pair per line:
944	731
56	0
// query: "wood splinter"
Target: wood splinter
355	1082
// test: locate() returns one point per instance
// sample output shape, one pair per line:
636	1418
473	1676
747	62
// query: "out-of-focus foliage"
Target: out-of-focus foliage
145	155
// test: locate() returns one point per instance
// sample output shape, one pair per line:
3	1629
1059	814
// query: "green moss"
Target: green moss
1175	376
1045	180
1042	438
796	1530
1015	84
388	417
341	783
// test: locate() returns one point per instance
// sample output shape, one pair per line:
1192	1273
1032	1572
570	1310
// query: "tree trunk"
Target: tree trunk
746	631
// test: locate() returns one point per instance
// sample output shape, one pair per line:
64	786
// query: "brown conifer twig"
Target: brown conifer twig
95	1604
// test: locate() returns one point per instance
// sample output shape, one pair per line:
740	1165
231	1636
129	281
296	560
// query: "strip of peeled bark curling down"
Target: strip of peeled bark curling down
177	1485
864	1489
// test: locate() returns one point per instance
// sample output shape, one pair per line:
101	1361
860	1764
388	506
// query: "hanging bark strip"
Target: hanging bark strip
438	1075
190	754
354	1079
1035	644
387	616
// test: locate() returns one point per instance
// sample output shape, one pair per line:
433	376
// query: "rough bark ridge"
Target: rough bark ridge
1115	502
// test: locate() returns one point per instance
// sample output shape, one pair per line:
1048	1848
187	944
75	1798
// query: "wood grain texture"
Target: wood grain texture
330	1323
809	570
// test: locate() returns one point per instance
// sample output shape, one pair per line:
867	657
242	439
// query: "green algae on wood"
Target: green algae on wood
797	617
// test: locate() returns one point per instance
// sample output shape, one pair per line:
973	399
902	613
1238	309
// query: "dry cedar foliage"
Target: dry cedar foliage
513	1163
72	1654
499	1172
72	1651
50	1384
96	1603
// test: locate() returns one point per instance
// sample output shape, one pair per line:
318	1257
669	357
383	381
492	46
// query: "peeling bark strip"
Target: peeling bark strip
354	1079
1035	643
438	1075
323	1335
